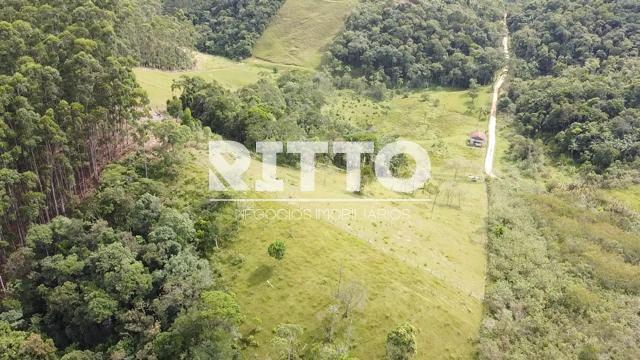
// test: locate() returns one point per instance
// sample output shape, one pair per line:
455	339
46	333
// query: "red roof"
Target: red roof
479	135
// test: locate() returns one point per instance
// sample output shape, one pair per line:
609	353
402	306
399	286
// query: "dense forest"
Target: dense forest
227	28
153	39
69	99
67	104
590	113
548	36
577	89
126	277
420	43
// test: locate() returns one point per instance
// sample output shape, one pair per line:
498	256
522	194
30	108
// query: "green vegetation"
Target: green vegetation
629	196
289	108
287	341
276	250
318	21
422	262
125	277
550	35
423	257
153	39
440	121
230	74
401	343
23	345
563	263
227	28
588	107
67	107
563	253
398	271
591	114
420	43
135	260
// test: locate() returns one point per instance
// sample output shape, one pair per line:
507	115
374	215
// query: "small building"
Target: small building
477	139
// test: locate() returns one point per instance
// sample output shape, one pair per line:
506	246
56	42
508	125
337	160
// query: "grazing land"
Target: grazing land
434	256
229	73
302	30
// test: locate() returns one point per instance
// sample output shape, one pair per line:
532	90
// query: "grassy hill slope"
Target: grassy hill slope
427	268
629	196
302	29
229	73
416	269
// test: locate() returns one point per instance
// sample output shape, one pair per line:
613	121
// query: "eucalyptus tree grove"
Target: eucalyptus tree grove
67	102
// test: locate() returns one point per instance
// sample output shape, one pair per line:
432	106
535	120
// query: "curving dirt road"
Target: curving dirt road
491	146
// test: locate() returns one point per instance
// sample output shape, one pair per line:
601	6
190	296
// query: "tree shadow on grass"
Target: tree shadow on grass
260	275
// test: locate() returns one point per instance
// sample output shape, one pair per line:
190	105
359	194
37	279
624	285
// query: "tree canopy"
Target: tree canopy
576	84
67	101
227	28
126	276
287	109
549	35
590	113
152	38
420	43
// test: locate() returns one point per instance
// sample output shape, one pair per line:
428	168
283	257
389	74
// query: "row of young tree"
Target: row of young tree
577	89
67	103
420	43
226	28
68	98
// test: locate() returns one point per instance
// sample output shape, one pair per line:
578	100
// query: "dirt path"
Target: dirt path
493	120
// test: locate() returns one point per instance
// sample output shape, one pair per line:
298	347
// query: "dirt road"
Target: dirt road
493	120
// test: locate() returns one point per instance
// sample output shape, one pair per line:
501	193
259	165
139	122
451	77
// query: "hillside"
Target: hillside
230	73
127	231
564	223
302	31
437	260
420	257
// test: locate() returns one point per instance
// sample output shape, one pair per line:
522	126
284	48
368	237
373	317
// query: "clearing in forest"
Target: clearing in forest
302	30
426	268
230	74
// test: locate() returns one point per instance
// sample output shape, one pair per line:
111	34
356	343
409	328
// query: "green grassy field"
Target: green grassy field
426	268
630	196
228	73
437	120
279	48
302	30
